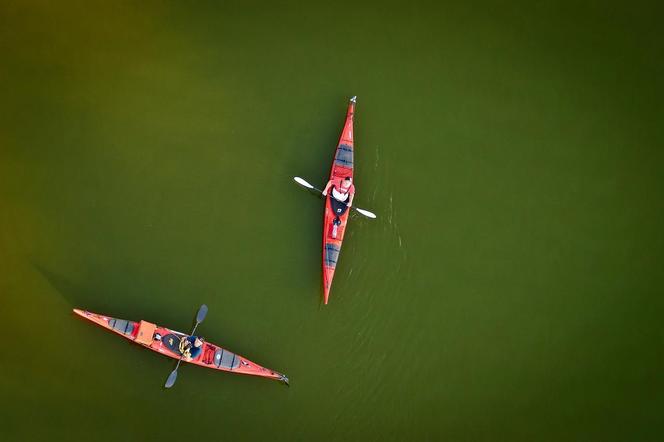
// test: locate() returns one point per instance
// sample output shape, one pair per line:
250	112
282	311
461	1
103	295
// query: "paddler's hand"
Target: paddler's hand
324	193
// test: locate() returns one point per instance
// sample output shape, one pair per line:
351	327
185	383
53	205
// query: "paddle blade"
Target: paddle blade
202	312
171	378
366	213
302	182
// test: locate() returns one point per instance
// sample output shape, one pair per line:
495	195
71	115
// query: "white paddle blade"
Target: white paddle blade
171	378
202	312
302	182
366	213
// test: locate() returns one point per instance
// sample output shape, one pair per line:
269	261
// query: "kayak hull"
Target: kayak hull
333	236
165	341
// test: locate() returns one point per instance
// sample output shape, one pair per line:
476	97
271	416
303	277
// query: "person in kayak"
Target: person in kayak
191	347
343	191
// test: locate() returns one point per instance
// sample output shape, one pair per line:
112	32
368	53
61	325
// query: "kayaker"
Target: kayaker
342	190
191	347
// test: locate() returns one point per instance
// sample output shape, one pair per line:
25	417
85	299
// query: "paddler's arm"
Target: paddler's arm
327	187
350	199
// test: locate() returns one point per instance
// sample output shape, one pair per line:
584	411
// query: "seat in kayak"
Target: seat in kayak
121	325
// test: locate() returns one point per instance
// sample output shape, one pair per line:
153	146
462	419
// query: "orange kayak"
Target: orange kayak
167	341
333	236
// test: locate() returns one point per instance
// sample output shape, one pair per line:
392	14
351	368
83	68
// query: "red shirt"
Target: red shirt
337	185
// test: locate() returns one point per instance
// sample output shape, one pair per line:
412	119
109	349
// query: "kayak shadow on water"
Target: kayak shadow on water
103	300
75	295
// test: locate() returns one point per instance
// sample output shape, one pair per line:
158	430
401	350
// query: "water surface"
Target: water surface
511	288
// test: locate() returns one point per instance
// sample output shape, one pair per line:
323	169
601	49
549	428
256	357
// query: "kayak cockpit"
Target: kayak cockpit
175	344
338	207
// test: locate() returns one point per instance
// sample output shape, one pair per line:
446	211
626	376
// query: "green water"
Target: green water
511	288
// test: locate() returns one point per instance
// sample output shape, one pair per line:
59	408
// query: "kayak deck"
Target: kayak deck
342	167
166	342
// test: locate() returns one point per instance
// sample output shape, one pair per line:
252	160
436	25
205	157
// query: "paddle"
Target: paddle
304	183
202	312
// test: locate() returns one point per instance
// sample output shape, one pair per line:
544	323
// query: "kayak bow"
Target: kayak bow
333	236
167	341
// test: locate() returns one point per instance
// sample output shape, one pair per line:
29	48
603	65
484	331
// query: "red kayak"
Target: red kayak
333	236
167	342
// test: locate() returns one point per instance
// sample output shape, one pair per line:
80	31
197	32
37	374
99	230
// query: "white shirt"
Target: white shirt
339	196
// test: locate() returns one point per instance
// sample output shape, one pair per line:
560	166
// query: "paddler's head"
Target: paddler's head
346	182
